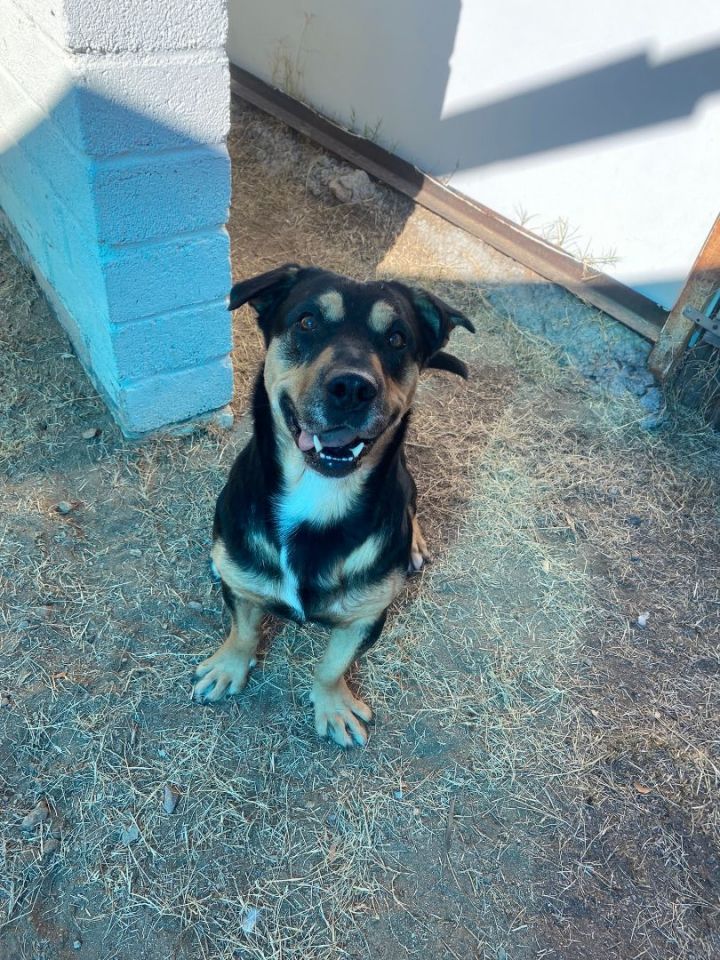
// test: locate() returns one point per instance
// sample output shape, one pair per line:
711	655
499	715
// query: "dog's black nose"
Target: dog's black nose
349	391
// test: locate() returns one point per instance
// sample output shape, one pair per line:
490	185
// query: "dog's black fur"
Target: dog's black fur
325	530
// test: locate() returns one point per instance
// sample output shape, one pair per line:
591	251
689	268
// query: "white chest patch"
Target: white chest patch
309	497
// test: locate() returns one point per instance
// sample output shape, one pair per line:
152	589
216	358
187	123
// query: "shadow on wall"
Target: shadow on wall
628	94
122	219
409	53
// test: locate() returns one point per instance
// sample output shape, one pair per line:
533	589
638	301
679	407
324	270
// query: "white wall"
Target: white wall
601	122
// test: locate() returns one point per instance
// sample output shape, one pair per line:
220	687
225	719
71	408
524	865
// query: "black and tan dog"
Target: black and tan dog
317	520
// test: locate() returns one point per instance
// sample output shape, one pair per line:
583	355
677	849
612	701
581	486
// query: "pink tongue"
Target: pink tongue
330	438
338	438
305	441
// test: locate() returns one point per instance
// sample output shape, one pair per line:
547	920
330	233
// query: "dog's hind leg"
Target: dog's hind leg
226	671
339	714
419	552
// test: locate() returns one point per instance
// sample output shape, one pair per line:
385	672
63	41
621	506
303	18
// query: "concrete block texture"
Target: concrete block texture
155	278
115	176
168	398
173	341
118	104
132	25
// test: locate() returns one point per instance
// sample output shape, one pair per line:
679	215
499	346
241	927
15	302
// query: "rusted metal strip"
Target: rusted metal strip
703	280
594	287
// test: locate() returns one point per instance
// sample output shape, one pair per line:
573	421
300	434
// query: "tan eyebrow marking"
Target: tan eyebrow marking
382	315
332	305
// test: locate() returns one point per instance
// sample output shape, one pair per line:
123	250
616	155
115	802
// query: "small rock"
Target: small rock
91	433
63	507
194	605
129	834
642	620
77	944
171	797
224	419
352	187
37	815
5	699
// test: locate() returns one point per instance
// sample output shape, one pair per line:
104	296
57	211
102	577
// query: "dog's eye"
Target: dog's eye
396	340
306	321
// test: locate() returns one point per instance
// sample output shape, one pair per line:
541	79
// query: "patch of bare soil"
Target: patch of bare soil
542	774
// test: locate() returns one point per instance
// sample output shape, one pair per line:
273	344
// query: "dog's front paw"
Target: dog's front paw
339	715
226	671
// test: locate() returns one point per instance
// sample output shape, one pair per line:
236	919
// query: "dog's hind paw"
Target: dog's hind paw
419	553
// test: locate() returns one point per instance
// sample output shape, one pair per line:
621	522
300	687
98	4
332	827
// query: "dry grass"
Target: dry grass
542	775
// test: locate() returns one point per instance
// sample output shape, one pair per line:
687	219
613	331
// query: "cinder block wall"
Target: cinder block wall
115	177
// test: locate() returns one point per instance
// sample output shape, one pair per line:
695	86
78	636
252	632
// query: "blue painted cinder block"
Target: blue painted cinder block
115	177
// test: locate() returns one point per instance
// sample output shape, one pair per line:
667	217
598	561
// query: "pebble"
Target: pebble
194	605
171	797
91	433
224	419
642	620
129	834
37	815
77	944
63	507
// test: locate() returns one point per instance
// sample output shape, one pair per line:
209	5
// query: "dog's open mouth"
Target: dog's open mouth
335	451
338	450
343	445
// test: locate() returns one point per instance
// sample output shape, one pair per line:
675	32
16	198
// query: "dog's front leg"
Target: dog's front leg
338	713
226	671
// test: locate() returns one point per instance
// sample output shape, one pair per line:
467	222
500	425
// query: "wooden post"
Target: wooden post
704	278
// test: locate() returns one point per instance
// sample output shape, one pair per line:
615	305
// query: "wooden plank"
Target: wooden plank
594	287
703	279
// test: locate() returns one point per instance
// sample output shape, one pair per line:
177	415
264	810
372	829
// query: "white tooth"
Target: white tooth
356	451
316	441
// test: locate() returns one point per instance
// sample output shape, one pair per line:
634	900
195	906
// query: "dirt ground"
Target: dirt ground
542	774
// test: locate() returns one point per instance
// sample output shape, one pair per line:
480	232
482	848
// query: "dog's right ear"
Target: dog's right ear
264	292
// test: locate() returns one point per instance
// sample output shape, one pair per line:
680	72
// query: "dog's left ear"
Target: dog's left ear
437	321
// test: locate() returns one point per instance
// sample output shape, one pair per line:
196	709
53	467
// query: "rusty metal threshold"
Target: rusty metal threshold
594	287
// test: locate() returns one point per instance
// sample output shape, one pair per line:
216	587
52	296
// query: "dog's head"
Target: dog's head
343	357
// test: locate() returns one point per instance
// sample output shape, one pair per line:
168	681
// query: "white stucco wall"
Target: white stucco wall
599	122
115	177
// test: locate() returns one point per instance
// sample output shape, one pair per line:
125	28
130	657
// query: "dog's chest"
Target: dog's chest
314	503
